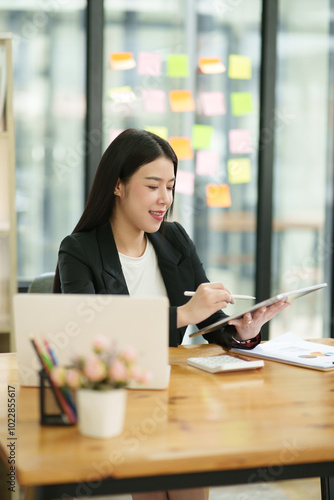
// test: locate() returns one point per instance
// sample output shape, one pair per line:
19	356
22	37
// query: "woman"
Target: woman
122	244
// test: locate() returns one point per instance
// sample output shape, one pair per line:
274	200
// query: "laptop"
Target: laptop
70	322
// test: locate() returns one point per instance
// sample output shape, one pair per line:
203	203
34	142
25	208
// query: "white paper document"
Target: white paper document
291	349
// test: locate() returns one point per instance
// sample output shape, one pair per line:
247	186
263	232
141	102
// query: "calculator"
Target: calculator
224	363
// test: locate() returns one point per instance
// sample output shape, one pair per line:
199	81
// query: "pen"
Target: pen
241	297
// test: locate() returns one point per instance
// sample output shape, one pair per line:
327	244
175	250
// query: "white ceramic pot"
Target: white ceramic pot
101	413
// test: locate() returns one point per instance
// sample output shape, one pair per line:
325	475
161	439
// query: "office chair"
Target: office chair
42	283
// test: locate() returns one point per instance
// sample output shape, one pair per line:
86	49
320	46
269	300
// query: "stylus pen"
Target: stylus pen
241	297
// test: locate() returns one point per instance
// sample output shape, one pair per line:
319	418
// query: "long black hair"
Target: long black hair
131	149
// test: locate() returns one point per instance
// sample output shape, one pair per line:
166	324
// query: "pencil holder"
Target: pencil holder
52	409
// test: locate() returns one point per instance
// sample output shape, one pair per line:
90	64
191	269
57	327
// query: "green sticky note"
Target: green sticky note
160	131
239	67
241	103
239	170
177	66
201	136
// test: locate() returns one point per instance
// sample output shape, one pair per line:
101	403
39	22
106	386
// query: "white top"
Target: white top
142	274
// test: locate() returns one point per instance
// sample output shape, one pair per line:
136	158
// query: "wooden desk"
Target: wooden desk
265	425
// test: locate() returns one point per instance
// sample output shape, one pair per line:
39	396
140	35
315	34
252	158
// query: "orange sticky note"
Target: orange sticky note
211	65
182	147
218	195
122	60
181	100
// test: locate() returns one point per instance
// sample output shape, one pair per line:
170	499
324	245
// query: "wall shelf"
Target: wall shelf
8	245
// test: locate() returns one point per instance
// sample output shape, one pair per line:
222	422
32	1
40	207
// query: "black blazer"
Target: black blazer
89	263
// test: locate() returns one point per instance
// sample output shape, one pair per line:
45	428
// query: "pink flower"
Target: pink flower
129	354
73	378
94	369
134	373
58	375
118	371
104	367
101	343
145	377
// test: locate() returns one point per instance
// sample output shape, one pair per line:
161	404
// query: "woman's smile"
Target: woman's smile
157	214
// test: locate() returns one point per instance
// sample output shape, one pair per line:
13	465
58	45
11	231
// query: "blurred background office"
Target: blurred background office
254	137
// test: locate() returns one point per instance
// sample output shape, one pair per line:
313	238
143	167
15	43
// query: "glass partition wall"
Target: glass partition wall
302	214
49	110
189	70
191	74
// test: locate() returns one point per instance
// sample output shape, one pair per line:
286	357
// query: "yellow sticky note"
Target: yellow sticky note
122	94
177	66
121	60
239	170
211	65
201	136
239	67
160	131
241	103
218	195
182	147
181	100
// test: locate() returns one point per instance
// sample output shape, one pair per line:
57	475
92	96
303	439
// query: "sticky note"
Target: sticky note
154	100
160	131
121	60
113	133
181	100
239	67
182	147
240	141
122	94
241	102
239	170
201	136
218	195
211	65
207	162
149	63
212	103
177	66
185	182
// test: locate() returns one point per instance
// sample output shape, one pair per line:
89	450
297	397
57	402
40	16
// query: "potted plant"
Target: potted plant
100	380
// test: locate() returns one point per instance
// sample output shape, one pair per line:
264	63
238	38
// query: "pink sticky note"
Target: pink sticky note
212	103
113	133
207	162
149	63
240	141
185	182
154	100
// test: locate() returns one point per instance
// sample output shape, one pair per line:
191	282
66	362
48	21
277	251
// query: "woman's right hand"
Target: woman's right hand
208	299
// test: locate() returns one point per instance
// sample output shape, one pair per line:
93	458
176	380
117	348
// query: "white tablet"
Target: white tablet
287	296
